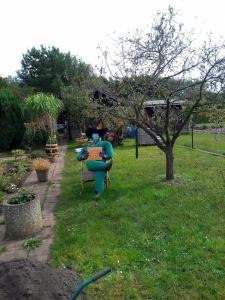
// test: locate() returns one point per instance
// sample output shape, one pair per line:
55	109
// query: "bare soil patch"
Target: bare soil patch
22	279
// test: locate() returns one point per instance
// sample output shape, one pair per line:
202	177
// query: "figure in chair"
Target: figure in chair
99	162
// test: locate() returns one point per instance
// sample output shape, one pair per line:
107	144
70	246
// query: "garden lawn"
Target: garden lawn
210	125
205	141
162	241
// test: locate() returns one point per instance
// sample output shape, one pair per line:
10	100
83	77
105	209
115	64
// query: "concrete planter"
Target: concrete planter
22	220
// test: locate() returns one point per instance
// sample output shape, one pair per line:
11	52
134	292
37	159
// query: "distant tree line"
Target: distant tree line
48	70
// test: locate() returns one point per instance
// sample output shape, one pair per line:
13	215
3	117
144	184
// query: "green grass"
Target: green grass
3	249
210	125
205	141
162	241
2	196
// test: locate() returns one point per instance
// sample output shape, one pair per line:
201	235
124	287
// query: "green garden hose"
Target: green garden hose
77	291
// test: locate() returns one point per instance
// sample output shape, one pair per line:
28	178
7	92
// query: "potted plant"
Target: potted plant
51	147
41	111
22	214
41	166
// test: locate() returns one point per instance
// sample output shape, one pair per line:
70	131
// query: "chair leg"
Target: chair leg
82	185
107	181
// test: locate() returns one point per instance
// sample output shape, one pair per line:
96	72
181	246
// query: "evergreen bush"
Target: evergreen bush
34	138
11	121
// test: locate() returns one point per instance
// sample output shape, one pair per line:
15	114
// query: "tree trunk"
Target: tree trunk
169	163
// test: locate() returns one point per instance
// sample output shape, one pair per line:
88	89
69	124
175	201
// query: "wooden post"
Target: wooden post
136	141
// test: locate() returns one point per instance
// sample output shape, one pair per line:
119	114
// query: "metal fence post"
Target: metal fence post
136	143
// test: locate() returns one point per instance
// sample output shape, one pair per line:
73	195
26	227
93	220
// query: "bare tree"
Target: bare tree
165	63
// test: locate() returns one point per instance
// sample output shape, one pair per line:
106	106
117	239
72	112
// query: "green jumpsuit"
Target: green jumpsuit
99	167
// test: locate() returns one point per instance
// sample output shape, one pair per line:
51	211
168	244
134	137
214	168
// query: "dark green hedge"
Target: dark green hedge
11	121
35	138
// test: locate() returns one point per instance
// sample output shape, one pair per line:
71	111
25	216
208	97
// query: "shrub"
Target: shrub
5	182
34	138
38	153
2	197
19	170
11	188
22	197
31	244
52	140
11	174
21	167
11	121
17	153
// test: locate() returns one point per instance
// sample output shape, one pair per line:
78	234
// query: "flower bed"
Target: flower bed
12	176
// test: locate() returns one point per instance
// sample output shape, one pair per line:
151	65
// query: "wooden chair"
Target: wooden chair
88	176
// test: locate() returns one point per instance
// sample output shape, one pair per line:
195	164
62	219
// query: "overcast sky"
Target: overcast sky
79	26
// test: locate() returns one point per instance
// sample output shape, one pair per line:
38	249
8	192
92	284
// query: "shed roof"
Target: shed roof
160	102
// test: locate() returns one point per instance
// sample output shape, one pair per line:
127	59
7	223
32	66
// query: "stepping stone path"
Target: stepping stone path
48	193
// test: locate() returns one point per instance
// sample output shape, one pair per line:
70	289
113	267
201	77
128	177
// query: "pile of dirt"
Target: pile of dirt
26	279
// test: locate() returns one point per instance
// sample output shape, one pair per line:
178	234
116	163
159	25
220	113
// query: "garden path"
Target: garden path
48	192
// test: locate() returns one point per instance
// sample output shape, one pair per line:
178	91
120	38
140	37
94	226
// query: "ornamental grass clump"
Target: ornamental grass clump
42	110
40	164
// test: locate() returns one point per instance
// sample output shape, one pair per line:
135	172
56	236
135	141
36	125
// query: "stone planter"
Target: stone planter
22	220
42	175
